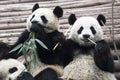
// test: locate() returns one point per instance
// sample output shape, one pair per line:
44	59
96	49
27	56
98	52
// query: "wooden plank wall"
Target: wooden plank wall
13	14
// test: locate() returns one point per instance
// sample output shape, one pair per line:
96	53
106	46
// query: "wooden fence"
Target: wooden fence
13	14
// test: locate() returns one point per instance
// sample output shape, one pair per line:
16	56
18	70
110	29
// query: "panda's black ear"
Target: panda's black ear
72	18
58	11
101	19
36	6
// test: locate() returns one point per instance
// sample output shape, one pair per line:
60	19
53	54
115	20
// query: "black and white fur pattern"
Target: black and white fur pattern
11	69
45	23
90	61
44	17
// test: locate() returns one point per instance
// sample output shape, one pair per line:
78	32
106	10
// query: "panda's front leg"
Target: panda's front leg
58	37
102	56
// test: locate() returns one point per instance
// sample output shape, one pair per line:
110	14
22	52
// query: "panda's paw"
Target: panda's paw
102	47
36	28
47	74
59	38
33	29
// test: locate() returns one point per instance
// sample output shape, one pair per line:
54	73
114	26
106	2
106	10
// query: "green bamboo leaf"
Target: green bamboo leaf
35	58
20	50
41	43
24	51
31	50
16	48
24	48
27	46
33	43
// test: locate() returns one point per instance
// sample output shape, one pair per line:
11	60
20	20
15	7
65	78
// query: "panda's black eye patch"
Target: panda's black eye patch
32	17
80	30
93	30
12	70
44	19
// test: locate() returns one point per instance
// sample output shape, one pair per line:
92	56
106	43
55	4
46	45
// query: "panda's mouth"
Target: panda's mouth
44	26
88	40
85	40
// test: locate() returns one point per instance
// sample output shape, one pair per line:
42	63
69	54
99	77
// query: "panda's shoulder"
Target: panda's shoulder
69	43
56	33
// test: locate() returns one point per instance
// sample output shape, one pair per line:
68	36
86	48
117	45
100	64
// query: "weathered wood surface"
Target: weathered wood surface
13	14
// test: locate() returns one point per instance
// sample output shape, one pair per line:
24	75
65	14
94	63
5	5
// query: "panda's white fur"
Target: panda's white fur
86	22
40	66
7	64
36	69
83	66
52	23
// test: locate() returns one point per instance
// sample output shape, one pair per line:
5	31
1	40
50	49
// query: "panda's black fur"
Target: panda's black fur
4	49
47	74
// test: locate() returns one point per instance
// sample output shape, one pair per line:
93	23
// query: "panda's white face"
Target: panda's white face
84	28
44	17
10	69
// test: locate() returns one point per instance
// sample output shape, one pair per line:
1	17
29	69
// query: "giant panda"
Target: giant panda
12	69
91	56
45	23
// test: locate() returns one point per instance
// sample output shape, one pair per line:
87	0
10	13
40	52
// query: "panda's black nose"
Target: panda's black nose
34	22
86	36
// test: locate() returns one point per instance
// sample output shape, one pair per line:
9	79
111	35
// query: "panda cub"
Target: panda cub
11	69
92	59
45	23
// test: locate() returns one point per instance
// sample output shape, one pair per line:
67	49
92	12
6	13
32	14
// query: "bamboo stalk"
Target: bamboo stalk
112	31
